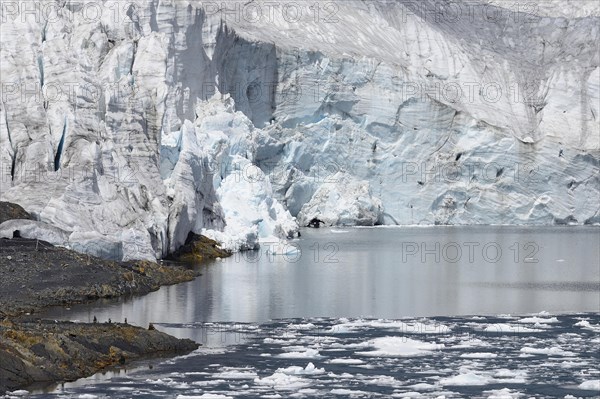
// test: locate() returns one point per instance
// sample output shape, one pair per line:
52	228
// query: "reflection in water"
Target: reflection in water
382	272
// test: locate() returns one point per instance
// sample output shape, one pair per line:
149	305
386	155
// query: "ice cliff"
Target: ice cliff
126	125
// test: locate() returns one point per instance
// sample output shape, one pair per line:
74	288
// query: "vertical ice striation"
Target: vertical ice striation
128	125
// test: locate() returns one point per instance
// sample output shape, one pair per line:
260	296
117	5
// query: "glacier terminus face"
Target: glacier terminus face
126	125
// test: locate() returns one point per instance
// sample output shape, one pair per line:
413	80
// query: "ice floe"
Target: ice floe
399	346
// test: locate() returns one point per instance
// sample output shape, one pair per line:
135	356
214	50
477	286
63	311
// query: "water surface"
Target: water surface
459	312
383	273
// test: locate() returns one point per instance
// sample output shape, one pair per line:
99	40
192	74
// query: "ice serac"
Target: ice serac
252	214
130	128
102	126
343	201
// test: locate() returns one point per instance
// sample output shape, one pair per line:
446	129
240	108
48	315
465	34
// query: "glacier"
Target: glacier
126	125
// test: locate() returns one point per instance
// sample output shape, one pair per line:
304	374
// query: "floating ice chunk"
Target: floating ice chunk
205	396
208	383
588	326
467	379
399	346
383	380
236	374
590	385
20	392
479	355
407	395
502	328
538	320
404	327
544	313
310	369
553	351
170	382
471	343
510	376
503	393
349	392
306	354
567	364
282	381
422	387
302	326
270	340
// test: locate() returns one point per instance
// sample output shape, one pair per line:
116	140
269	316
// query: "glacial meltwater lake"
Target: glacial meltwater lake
375	312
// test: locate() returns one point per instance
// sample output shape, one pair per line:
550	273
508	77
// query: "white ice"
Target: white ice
399	346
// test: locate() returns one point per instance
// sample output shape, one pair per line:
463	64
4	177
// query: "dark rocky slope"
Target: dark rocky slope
34	275
48	351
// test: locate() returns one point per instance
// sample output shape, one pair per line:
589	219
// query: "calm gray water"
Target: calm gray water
453	312
383	273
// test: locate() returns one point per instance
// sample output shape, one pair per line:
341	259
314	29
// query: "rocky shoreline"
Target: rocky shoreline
43	352
35	275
